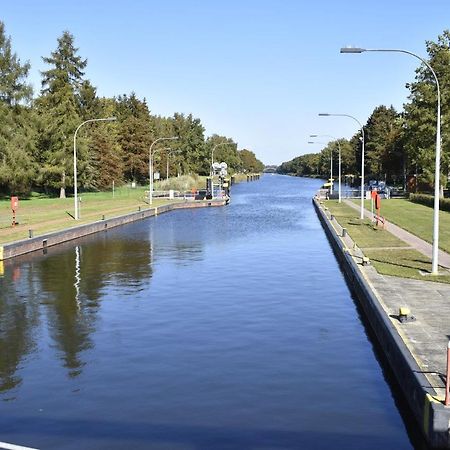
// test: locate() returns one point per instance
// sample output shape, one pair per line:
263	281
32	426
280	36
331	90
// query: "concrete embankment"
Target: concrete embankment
422	386
44	241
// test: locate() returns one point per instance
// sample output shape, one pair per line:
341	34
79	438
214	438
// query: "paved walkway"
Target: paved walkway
429	302
415	242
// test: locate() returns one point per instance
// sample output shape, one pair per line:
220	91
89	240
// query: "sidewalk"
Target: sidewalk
415	242
429	302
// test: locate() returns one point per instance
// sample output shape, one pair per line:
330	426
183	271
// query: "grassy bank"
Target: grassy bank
417	219
388	254
44	215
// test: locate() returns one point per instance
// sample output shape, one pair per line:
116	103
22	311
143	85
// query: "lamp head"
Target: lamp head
352	50
313	135
324	114
111	119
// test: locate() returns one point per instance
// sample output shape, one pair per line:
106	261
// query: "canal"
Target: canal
218	328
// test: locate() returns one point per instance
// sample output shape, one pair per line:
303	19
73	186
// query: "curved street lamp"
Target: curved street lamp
362	155
75	183
339	164
150	164
437	171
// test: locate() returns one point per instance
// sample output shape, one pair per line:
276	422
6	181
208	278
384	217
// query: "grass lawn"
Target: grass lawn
417	219
44	215
387	253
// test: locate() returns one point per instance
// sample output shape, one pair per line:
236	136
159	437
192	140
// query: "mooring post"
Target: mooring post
447	381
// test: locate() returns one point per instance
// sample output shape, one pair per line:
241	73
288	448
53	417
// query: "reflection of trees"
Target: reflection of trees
75	278
18	317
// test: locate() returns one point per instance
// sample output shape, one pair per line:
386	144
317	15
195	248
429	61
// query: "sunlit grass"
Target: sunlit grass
43	215
387	253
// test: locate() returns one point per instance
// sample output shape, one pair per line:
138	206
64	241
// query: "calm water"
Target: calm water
222	328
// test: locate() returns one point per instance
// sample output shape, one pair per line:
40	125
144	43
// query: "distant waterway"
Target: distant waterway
217	328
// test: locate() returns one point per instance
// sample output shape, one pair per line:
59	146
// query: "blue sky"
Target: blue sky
256	71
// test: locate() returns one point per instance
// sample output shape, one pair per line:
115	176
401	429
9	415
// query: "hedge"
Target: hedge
428	200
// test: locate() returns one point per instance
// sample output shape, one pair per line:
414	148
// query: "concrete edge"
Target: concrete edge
432	416
42	242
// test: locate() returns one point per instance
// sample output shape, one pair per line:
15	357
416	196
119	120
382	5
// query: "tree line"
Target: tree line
399	146
37	131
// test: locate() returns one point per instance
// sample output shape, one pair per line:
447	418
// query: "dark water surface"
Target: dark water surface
219	328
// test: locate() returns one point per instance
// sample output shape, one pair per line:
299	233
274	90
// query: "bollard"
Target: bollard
344	232
30	233
331	217
447	381
103	217
139	208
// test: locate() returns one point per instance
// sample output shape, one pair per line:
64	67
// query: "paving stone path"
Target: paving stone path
429	302
419	244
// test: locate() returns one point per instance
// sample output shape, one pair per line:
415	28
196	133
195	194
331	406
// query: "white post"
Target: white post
150	165
437	171
331	171
362	156
167	167
339	185
75	182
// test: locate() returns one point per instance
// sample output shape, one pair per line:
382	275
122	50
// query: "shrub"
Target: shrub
428	200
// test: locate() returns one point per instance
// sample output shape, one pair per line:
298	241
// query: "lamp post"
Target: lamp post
75	183
150	165
331	160
169	153
437	171
339	164
362	154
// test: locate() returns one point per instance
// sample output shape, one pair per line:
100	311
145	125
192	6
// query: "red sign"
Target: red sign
14	203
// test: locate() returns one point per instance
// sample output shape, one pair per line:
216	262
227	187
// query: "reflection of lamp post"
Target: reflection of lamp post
75	184
339	165
437	170
331	161
150	165
362	155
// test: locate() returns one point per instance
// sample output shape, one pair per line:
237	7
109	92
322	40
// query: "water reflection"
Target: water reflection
197	329
63	290
18	318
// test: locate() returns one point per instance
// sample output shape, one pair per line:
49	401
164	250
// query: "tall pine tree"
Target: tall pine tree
60	109
17	136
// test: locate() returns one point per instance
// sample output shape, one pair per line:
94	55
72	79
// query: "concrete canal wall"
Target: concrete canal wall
43	241
432	416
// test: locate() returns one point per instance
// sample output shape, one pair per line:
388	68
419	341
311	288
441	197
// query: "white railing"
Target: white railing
186	195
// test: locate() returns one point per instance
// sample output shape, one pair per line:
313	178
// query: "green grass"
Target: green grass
383	248
44	215
417	219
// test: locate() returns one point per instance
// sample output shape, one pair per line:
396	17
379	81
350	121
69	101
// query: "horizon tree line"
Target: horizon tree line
36	132
399	146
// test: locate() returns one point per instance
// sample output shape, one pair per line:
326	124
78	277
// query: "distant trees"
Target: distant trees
36	134
399	145
17	133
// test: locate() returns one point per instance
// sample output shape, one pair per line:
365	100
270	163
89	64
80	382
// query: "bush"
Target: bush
428	200
183	183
